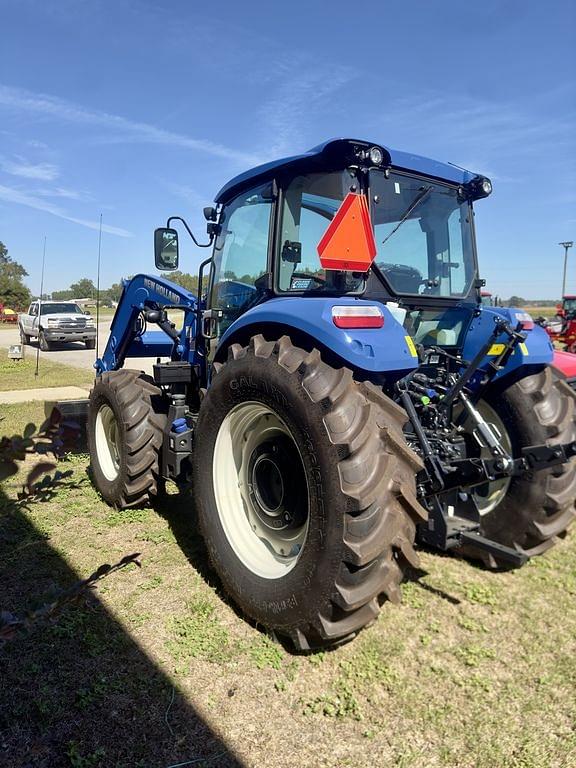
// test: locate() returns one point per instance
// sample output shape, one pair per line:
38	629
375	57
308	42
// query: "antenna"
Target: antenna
98	289
40	307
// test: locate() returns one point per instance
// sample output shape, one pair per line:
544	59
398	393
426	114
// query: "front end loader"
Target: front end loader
336	394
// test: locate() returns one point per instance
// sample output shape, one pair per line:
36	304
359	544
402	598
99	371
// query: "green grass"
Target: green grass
157	668
19	374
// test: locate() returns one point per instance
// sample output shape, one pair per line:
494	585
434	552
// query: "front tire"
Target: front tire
529	512
305	492
90	343
126	420
43	342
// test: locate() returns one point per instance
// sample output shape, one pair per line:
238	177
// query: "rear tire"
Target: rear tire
345	474
43	342
537	508
126	420
24	338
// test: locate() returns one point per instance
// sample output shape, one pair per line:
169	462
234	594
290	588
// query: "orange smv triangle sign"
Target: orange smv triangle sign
348	243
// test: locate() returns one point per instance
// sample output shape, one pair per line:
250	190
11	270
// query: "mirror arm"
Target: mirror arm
200	245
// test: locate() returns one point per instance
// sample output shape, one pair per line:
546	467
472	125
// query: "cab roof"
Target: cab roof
340	153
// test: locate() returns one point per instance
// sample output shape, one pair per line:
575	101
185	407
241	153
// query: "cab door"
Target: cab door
241	256
30	321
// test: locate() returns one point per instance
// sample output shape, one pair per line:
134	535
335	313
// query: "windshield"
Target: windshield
310	203
423	235
53	309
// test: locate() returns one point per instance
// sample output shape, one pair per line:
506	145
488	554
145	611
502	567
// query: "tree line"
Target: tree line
13	292
85	289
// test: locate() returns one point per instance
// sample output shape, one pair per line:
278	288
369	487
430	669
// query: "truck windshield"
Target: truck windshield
423	235
310	204
55	309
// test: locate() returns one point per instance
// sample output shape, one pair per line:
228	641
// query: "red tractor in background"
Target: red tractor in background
562	327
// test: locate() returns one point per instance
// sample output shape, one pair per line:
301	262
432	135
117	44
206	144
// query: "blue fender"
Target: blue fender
535	353
372	350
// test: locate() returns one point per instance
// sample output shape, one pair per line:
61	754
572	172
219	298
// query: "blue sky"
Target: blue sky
139	110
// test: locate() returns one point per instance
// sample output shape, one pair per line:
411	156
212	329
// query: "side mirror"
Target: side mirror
166	248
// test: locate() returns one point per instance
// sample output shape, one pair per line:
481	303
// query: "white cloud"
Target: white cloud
68	194
121	129
302	89
10	195
27	170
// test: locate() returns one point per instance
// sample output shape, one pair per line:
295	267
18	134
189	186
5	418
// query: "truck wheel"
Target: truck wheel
90	343
305	491
43	342
529	512
24	338
126	419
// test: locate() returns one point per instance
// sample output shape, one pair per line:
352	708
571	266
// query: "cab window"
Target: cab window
241	254
309	205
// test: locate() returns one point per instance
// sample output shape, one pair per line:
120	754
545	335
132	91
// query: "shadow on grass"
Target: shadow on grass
78	691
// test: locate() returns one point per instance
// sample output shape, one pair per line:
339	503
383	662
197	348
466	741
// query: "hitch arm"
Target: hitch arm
468	473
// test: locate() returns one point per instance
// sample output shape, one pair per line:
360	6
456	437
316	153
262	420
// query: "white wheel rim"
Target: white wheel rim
489	495
107	442
262	499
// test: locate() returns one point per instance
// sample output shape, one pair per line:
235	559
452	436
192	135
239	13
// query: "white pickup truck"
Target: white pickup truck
56	321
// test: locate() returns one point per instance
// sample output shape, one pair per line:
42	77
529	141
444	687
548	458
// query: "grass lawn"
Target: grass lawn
541	311
156	668
19	374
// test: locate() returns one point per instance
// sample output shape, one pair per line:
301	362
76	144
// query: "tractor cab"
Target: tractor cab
349	219
568	307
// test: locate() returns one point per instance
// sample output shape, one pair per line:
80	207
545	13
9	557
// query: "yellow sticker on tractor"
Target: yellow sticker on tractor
411	346
497	349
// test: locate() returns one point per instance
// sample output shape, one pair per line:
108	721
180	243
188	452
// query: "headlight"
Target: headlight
376	156
53	321
89	321
477	188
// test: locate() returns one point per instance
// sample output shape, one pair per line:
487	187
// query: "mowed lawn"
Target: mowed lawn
157	669
21	374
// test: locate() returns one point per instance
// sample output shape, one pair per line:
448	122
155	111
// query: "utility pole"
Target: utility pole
566	245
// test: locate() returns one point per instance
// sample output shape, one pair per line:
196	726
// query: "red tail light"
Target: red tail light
357	317
525	319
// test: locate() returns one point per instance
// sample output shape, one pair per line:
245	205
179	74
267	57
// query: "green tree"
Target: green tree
114	292
186	280
63	295
83	289
13	292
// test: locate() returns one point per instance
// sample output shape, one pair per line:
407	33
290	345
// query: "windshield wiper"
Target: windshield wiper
417	200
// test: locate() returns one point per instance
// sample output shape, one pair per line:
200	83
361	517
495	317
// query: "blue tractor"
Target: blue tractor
330	414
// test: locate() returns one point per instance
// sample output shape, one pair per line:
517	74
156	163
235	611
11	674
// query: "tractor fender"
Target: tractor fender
373	350
530	356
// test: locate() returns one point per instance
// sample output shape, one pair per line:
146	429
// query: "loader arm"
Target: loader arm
142	297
